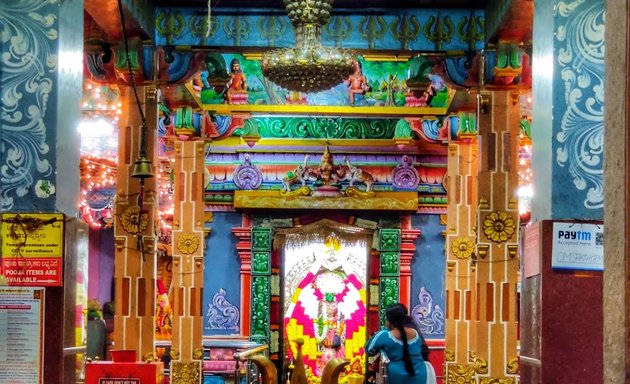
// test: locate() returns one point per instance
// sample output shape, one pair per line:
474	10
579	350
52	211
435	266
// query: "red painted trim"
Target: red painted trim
244	250
404	293
245	303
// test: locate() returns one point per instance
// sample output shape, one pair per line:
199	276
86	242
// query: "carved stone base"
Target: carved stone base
186	372
460	374
497	380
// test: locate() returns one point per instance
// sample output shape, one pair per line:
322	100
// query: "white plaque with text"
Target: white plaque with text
578	246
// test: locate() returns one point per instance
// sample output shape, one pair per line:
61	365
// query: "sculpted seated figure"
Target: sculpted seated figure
357	83
237	85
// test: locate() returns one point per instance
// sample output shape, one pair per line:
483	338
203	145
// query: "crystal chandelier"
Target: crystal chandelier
309	66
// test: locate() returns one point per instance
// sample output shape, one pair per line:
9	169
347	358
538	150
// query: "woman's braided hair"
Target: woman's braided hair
396	315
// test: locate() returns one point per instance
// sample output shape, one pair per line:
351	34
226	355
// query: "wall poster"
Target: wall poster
21	335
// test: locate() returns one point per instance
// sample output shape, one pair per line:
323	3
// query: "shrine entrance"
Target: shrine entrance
324	292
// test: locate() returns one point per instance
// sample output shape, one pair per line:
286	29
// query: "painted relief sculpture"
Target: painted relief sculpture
357	84
237	85
327	178
327	309
233	79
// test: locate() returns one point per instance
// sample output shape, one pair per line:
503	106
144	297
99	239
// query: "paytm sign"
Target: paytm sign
578	246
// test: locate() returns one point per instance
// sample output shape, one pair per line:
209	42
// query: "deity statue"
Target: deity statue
328	173
357	83
327	310
164	311
237	85
327	176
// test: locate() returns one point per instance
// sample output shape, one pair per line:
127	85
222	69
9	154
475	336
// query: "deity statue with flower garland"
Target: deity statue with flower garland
327	310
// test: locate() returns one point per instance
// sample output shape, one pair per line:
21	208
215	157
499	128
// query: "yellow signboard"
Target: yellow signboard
32	248
32	235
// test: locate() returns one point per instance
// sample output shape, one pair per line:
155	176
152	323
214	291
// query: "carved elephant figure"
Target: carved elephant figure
355	174
301	174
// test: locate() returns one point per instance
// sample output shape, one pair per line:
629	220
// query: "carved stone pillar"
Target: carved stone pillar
188	250
460	247
494	354
135	264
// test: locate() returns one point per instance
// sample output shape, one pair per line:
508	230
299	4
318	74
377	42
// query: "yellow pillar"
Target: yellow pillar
494	356
188	247
460	268
135	264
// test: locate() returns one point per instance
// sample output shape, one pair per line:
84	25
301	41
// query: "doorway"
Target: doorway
324	297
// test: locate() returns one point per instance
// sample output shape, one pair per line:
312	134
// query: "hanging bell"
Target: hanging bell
142	168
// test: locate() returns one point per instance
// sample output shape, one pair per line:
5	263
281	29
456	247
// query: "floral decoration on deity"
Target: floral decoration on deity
188	243
355	370
463	247
499	226
133	220
327	310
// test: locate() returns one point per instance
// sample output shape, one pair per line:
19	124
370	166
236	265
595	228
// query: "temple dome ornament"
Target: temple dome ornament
309	66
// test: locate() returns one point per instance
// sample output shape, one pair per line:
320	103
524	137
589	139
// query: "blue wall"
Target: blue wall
222	281
428	271
272	28
568	113
578	110
40	62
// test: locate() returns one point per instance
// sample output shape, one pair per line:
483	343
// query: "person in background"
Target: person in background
402	344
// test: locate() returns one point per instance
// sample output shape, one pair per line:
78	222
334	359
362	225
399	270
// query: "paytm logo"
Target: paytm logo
574	235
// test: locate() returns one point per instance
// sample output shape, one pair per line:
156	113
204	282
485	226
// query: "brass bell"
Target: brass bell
142	168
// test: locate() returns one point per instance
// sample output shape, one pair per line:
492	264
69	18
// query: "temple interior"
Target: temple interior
235	191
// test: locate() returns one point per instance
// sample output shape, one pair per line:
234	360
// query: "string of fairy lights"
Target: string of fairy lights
101	110
525	174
